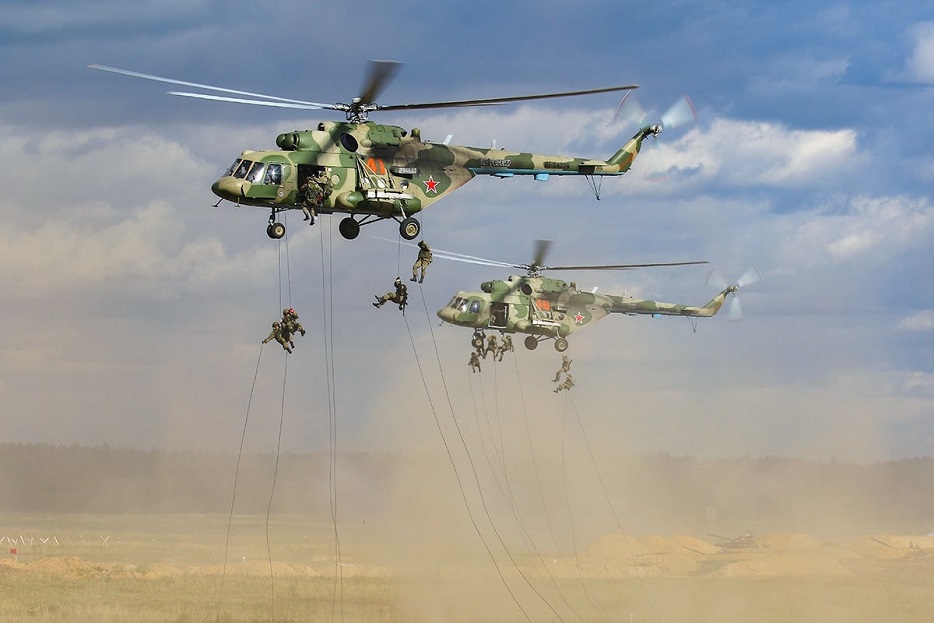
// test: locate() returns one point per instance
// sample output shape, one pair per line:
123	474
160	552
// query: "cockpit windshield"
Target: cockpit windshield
256	172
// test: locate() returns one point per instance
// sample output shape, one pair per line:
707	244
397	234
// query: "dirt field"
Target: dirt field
84	568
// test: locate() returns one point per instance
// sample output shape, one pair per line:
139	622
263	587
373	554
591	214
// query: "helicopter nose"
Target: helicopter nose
446	314
229	188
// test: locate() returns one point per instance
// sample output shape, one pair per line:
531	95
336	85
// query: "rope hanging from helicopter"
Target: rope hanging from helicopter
327	325
506	489
569	399
288	294
473	470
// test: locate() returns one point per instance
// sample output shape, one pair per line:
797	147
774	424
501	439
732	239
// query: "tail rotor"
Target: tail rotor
748	278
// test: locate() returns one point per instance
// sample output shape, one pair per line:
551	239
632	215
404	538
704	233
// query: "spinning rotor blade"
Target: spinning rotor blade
736	310
750	277
503	100
379	75
624	266
630	110
270	98
681	113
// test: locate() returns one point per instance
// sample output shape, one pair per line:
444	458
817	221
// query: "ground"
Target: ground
106	568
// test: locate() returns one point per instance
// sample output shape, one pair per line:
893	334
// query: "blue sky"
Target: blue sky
133	310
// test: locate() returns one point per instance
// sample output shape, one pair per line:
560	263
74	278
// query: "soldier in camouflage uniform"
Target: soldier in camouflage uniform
422	262
279	335
474	362
491	346
506	346
565	366
291	323
400	296
568	384
314	192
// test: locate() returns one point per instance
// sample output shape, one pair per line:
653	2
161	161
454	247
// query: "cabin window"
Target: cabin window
243	168
256	173
475	306
273	175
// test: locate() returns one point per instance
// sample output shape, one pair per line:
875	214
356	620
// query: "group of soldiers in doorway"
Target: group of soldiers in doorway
484	345
285	328
565	370
314	192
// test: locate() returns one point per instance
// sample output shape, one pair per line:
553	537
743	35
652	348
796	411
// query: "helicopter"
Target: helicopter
545	308
376	172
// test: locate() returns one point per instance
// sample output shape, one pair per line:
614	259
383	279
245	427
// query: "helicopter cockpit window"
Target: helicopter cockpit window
230	170
256	173
462	305
243	168
475	307
273	175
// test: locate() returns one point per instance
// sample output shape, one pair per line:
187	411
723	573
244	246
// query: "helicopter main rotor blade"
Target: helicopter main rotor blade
379	75
238	100
624	266
208	87
503	100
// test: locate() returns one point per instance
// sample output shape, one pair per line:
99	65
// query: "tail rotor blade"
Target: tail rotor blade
736	310
680	114
715	279
630	110
751	276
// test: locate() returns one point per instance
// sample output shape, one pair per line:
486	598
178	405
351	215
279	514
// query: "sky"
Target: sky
133	310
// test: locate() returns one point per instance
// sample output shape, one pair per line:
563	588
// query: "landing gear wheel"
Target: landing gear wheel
409	228
477	342
275	230
561	344
349	228
531	343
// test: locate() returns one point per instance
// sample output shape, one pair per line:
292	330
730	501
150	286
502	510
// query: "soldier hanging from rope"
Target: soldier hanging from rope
568	384
491	346
291	323
506	346
422	262
280	335
565	366
400	296
474	362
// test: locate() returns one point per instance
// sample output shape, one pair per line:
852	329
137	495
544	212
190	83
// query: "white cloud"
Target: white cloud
920	64
921	321
753	153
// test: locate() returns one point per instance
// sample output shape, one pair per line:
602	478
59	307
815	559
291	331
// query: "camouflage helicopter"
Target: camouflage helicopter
377	172
545	308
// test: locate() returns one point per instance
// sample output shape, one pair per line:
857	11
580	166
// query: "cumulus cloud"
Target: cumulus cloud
753	153
879	227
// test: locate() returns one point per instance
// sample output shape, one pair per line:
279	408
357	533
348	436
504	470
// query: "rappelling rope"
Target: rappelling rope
327	323
609	503
272	492
473	468
233	498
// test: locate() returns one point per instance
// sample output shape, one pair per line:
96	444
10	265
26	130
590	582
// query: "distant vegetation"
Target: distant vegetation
771	493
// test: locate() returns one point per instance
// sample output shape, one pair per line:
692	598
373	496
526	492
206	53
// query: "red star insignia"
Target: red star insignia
579	318
431	185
